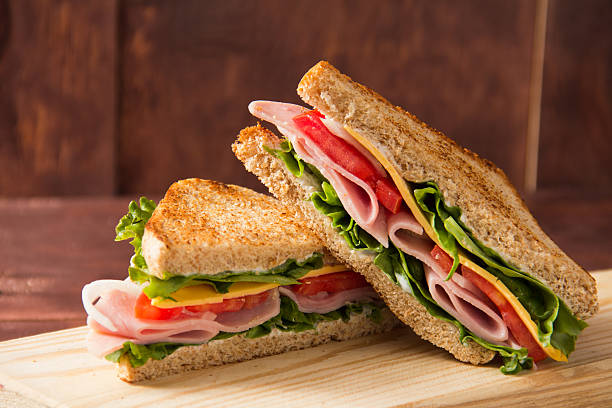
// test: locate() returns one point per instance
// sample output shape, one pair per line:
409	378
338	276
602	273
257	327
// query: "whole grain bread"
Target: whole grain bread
274	175
491	206
240	348
207	227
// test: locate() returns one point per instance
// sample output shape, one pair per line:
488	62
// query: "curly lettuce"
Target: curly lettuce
289	319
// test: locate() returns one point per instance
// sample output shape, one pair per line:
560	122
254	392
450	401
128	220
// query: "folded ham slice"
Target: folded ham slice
324	302
110	306
357	197
458	296
465	306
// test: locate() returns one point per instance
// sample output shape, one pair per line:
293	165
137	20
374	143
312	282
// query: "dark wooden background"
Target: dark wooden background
123	97
101	101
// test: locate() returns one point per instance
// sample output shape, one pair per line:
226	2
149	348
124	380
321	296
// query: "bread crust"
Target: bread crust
274	175
207	227
240	348
491	206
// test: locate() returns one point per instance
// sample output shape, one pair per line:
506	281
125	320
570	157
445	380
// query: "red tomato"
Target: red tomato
511	318
255	300
330	283
317	113
228	305
349	158
145	310
388	195
340	151
442	258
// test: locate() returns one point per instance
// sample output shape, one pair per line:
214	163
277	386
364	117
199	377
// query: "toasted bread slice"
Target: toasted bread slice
274	175
491	206
207	227
240	348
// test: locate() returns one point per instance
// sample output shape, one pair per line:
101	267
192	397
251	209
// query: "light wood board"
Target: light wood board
392	369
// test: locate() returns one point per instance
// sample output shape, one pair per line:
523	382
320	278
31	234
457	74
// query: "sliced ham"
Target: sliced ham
338	130
458	296
478	317
110	306
102	344
405	235
324	302
357	197
244	319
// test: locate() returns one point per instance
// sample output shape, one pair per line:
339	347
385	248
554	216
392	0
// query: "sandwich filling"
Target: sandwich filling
419	242
130	318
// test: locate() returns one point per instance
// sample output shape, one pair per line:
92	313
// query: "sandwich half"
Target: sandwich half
222	274
440	233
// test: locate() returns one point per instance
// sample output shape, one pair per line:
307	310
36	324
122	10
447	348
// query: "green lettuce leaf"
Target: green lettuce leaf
139	354
289	319
437	213
328	203
544	307
294	164
132	225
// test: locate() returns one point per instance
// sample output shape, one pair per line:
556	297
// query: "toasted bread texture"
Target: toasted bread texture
240	348
273	173
207	227
491	206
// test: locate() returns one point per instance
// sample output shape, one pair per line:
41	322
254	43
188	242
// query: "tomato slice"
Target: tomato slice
388	195
317	113
228	305
511	318
330	283
231	305
442	258
349	158
145	310
339	150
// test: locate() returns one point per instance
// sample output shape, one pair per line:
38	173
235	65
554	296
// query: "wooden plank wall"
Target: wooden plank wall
57	97
124	97
576	134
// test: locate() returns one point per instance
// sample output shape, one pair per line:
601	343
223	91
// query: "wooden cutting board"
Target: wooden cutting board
393	369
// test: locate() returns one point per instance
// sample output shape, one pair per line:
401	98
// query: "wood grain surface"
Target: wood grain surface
390	370
57	97
188	70
576	134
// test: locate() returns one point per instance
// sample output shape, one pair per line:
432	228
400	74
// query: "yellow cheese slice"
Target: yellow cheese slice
205	294
420	217
325	270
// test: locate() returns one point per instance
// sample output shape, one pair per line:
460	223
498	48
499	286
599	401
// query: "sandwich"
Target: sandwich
440	233
222	274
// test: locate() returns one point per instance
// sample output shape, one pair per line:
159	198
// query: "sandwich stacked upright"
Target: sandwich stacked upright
222	274
440	233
